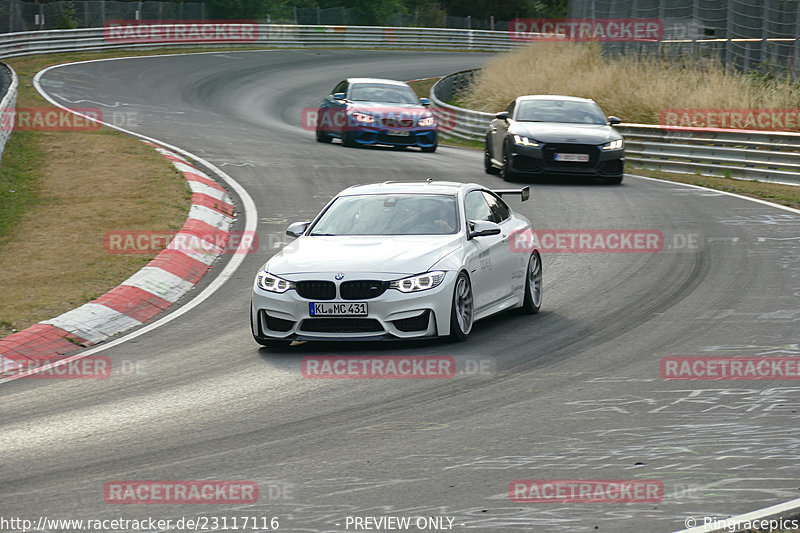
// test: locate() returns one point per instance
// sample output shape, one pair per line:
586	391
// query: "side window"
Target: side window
497	207
475	206
341	87
510	109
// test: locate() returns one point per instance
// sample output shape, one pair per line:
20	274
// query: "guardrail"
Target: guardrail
764	156
273	35
7	106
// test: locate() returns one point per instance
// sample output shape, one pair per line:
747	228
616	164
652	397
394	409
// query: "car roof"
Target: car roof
377	80
396	187
553	97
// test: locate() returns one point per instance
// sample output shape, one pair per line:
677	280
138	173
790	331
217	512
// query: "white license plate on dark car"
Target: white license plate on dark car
337	308
574	158
399	133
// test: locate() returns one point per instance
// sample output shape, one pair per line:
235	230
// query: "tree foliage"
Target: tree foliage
366	12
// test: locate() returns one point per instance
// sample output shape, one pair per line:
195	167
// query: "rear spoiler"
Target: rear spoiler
524	192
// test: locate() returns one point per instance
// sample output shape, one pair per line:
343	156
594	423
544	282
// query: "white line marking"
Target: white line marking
250	215
785	208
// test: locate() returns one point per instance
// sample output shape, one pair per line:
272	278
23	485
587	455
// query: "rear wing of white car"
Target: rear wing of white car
524	193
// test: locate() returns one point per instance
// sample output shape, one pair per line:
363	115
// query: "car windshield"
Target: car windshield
390	94
389	214
566	111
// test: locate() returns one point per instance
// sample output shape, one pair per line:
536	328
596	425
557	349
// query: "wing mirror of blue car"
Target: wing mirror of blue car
502	115
296	229
425	101
482	228
614	120
338	96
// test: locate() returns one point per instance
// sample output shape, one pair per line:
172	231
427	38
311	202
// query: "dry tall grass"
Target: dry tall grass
634	89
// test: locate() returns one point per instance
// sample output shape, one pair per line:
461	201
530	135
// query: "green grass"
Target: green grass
423	90
19	181
788	195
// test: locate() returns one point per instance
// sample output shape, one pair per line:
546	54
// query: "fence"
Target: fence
748	35
763	156
20	16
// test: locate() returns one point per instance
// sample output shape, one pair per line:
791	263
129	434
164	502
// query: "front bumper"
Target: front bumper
526	160
391	315
423	138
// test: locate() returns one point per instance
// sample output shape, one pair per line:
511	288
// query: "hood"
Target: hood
384	108
403	254
559	132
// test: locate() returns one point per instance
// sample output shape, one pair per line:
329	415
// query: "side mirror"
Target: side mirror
482	228
425	101
296	229
614	120
338	96
502	115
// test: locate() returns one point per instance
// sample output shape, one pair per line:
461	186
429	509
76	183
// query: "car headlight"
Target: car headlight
613	145
427	121
271	283
420	282
525	141
363	117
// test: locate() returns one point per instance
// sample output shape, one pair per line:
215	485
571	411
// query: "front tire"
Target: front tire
488	167
505	170
533	285
348	139
461	309
323	137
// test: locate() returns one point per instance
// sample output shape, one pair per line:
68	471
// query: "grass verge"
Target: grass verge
634	88
423	90
60	192
788	195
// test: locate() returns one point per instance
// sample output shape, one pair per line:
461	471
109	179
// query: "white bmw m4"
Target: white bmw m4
397	260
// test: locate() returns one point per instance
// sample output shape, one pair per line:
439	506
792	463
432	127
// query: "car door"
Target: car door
498	131
507	261
332	111
486	260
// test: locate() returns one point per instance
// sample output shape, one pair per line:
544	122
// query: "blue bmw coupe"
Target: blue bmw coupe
367	111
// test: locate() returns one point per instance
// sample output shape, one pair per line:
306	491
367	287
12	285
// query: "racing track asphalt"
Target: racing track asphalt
575	392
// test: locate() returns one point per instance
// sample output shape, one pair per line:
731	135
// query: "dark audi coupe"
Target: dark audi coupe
546	135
